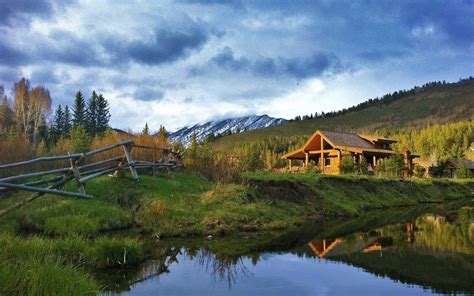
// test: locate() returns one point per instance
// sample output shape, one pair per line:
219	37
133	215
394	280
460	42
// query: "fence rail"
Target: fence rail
81	172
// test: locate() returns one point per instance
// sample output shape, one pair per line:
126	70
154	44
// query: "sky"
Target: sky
177	63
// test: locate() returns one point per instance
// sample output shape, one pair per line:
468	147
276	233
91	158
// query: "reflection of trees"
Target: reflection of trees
119	280
434	251
223	267
439	235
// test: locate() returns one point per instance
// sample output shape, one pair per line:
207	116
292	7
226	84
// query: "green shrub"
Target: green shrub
462	170
347	165
391	167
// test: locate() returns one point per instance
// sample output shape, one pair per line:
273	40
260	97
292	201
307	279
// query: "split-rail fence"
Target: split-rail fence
82	167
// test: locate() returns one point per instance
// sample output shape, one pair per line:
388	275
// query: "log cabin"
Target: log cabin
327	148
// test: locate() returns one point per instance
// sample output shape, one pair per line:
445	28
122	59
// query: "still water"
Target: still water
398	252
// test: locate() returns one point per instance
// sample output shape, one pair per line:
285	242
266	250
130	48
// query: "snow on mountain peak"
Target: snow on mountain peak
218	127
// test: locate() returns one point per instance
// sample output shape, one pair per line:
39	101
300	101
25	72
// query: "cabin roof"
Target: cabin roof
375	139
345	141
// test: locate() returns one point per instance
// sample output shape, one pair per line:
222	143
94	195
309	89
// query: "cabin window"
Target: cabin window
327	161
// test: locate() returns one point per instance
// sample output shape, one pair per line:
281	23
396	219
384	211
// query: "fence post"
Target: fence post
130	161
154	160
77	174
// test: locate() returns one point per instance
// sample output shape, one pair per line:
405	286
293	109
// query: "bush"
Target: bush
391	167
419	171
462	170
347	165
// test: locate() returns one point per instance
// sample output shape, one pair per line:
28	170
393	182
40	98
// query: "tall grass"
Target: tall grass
39	266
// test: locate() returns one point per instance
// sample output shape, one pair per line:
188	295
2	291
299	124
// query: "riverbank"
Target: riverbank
350	196
63	240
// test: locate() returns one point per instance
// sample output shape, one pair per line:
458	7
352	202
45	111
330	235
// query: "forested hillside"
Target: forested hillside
432	103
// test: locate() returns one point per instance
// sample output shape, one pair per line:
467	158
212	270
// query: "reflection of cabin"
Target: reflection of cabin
378	244
323	246
326	150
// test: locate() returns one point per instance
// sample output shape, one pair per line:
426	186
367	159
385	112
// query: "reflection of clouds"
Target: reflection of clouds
223	267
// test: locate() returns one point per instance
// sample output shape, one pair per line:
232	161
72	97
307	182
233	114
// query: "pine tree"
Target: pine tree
67	121
6	117
103	115
57	126
146	130
79	111
163	137
91	114
81	140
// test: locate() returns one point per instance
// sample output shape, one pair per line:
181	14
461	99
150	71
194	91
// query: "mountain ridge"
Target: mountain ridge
220	127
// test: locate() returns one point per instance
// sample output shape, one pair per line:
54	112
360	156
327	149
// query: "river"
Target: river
404	251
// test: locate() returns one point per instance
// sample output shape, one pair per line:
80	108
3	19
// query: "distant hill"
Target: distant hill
433	103
218	128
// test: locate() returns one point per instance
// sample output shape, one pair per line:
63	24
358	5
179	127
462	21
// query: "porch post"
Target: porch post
306	159
375	161
289	164
321	160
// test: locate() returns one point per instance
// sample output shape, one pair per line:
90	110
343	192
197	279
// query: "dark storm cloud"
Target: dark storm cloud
44	76
454	18
10	56
23	9
65	47
148	94
315	65
165	45
298	67
8	76
225	59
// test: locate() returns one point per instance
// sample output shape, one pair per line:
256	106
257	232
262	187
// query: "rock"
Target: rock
209	237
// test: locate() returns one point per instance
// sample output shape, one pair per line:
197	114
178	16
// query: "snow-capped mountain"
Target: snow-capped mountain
217	127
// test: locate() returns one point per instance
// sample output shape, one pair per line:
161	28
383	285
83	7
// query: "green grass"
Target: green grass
60	266
352	195
189	205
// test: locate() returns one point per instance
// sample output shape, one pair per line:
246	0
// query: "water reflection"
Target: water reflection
432	251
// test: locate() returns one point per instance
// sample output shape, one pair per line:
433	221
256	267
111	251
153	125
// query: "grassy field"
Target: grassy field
448	103
55	245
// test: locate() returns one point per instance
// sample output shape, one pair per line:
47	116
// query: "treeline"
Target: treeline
380	101
27	129
437	143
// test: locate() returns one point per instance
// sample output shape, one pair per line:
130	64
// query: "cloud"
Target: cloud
24	10
163	46
297	67
148	94
45	76
10	56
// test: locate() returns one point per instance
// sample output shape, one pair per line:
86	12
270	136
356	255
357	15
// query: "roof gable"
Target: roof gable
347	140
